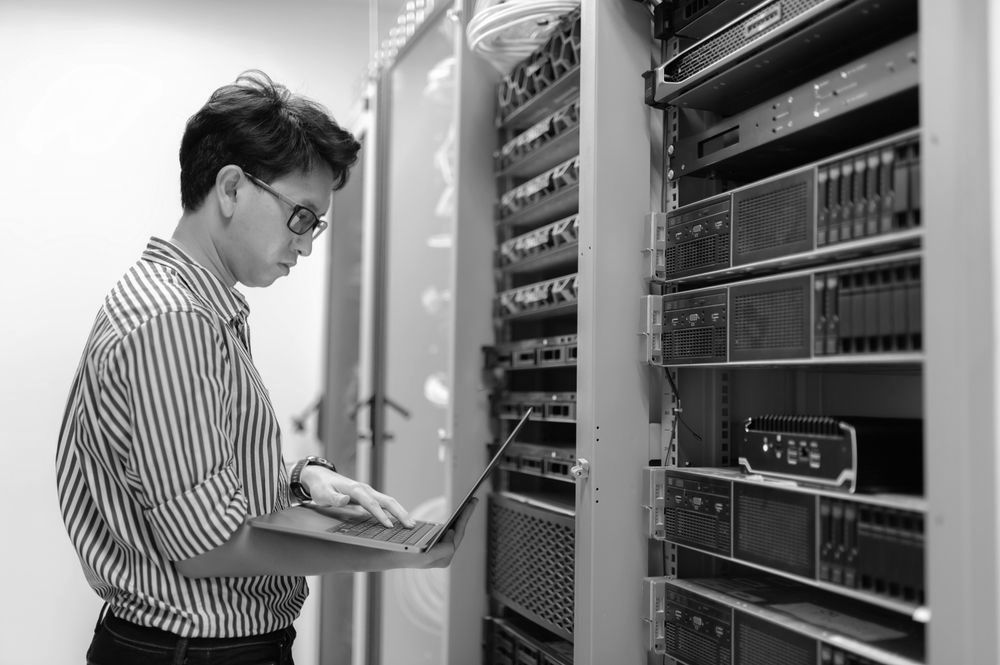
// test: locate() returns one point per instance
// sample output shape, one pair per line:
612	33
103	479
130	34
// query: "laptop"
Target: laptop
356	526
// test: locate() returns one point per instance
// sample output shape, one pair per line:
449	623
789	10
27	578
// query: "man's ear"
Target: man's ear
227	182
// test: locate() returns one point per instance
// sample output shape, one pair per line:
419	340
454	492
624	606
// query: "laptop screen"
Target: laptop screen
489	467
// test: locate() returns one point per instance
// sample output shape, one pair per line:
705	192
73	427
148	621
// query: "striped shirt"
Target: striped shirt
168	444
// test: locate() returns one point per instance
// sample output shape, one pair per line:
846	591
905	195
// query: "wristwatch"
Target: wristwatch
300	491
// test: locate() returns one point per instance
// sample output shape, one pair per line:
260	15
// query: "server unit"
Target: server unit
870	546
776	43
553	462
762	620
858	101
516	643
860	308
864	200
850	453
541	352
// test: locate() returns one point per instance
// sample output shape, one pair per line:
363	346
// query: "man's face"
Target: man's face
262	247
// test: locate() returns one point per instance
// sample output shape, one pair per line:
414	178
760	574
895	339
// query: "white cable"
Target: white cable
514	16
506	32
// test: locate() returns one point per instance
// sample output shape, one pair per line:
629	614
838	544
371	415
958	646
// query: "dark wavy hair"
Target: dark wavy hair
263	128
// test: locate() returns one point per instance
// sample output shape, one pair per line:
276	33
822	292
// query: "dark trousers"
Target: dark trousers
118	642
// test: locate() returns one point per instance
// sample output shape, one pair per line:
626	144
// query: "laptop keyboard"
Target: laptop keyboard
373	529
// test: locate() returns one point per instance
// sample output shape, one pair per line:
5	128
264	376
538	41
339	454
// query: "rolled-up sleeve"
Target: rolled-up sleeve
216	506
176	369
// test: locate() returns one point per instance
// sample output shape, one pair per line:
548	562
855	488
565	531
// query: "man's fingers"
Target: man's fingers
369	503
396	510
441	554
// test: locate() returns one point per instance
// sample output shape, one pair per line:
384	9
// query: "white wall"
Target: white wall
93	100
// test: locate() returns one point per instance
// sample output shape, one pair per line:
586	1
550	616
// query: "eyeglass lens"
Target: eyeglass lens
302	221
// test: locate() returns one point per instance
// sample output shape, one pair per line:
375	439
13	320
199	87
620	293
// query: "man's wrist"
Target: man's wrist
297	488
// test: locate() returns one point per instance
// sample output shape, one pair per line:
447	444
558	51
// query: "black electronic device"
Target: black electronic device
849	453
510	641
773	45
860	100
551	296
696	19
551	72
548	142
870	545
757	619
864	200
542	247
555	351
546	406
543	197
544	461
866	307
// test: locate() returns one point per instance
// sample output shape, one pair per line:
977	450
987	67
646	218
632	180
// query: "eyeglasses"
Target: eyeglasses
302	220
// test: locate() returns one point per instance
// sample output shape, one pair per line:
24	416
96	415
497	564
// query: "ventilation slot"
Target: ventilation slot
773	220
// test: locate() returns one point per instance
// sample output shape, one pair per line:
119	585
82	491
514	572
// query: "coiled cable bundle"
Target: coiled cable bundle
505	32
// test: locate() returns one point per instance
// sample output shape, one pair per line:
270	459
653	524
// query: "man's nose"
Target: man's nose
304	244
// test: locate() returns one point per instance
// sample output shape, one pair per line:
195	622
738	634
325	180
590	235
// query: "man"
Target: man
169	443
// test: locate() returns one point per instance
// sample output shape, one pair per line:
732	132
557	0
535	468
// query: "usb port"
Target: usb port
814	459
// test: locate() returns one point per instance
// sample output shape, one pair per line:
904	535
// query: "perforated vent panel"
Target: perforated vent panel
760	643
746	31
775	529
531	563
772	219
682	343
705	252
695	529
769	320
694	648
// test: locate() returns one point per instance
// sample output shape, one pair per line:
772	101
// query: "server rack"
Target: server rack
778	213
628	418
531	526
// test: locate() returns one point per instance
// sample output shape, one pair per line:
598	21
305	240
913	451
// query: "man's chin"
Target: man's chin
261	282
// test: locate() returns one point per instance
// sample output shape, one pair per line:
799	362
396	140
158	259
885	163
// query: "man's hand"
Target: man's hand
440	555
328	488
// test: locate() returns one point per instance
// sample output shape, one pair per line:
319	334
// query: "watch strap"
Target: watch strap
300	491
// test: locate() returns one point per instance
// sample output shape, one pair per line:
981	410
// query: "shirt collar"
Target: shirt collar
227	301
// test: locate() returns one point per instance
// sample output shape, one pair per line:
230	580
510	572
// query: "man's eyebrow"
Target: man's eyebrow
311	205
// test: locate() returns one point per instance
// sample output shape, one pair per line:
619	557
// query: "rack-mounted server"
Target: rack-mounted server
555	351
871	546
851	453
859	101
863	200
543	187
552	70
548	296
774	45
532	248
864	308
554	462
762	620
540	146
547	406
510	643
